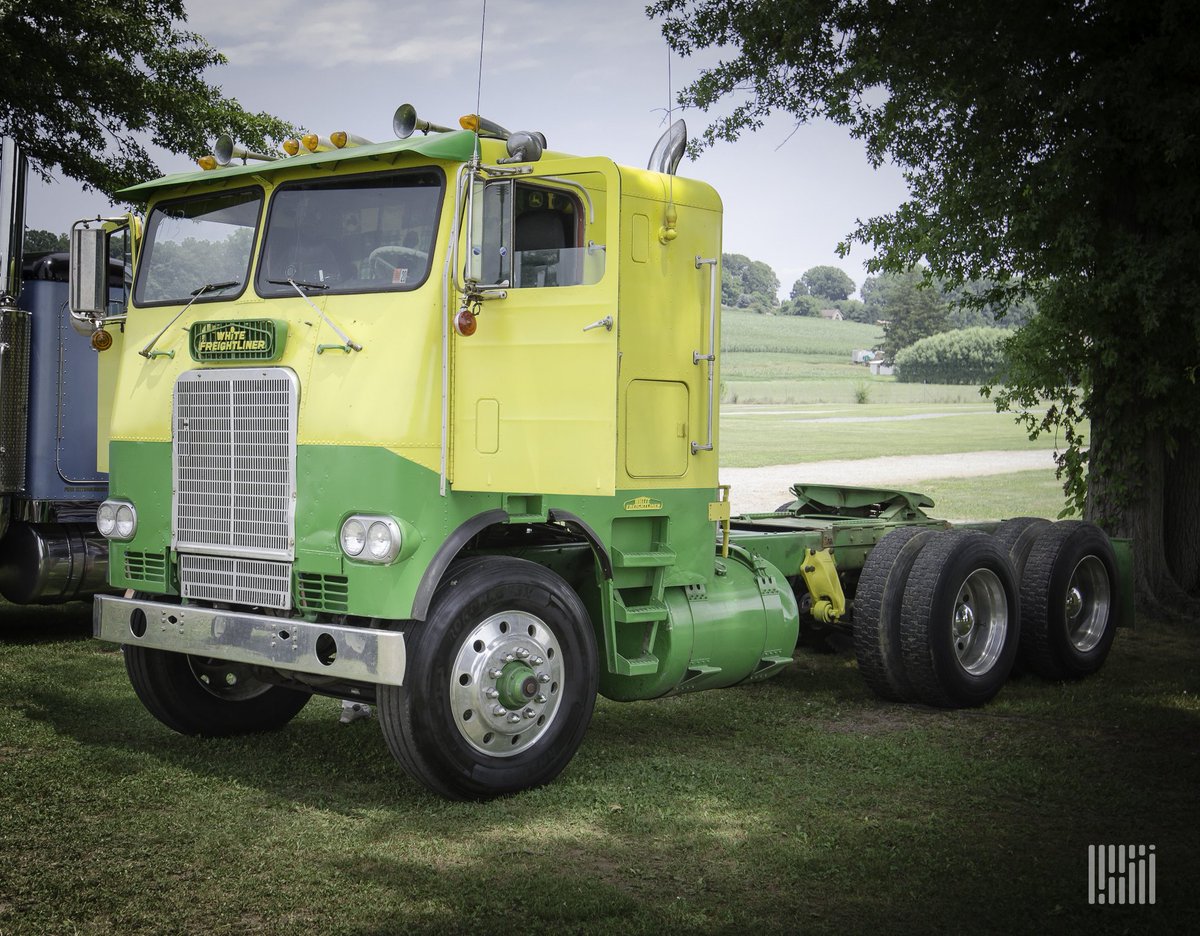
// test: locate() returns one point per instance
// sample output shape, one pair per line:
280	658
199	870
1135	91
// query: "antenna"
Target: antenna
479	81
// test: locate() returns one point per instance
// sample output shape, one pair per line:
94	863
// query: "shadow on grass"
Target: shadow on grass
31	624
798	804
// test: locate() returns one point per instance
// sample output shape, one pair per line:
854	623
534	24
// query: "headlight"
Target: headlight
116	519
124	521
371	538
354	536
106	519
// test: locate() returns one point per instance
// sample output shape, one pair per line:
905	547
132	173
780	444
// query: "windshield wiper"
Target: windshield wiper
195	294
348	344
213	287
299	283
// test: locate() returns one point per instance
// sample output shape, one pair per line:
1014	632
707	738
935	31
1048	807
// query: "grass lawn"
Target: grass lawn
779	435
801	804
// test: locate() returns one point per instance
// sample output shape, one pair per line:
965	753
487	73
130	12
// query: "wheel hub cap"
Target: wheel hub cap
980	622
1088	604
506	683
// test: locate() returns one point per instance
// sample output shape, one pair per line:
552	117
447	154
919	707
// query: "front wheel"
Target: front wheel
502	680
214	698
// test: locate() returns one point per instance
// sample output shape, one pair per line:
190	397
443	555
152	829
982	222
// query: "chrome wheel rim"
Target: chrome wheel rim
980	622
230	682
506	683
1088	604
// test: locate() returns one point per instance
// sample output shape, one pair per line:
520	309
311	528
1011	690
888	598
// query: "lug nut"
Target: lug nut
543	677
540	699
495	673
529	713
513	718
522	653
498	710
492	694
509	658
537	661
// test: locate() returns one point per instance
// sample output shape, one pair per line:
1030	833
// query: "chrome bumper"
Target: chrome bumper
351	653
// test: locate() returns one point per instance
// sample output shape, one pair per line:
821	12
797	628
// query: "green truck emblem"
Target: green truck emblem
251	340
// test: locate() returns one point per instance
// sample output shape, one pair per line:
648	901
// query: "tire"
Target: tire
504	626
211	698
876	620
960	620
1017	536
1069	593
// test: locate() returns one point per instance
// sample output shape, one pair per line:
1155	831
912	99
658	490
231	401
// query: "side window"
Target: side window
528	235
547	229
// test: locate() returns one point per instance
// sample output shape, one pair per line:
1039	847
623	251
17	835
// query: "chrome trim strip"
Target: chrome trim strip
361	654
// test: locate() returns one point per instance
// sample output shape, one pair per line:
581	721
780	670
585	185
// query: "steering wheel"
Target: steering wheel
380	262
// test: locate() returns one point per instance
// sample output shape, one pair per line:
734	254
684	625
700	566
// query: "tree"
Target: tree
912	306
1050	150
828	282
84	84
748	284
44	242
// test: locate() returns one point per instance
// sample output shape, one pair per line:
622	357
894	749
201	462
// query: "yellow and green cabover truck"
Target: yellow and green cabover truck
432	424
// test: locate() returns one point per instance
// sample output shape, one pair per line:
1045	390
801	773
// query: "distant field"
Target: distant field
790	394
795	334
798	359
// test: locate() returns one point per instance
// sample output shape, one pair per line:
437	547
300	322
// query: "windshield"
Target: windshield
351	234
196	242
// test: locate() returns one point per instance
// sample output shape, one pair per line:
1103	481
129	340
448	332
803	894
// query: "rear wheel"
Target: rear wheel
876	621
201	696
1017	536
502	679
960	620
1069	593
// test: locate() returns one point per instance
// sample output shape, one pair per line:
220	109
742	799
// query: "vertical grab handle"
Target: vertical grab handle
711	357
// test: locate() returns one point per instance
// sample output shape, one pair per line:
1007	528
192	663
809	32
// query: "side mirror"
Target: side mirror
89	272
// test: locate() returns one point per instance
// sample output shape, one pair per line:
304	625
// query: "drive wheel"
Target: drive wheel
1017	536
501	682
1069	593
960	620
201	696
876	620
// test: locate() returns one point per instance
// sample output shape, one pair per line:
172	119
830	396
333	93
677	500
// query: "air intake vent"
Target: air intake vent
146	569
328	593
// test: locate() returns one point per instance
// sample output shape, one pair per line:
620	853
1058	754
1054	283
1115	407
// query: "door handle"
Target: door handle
606	323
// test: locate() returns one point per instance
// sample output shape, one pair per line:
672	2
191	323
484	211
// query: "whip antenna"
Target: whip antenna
479	81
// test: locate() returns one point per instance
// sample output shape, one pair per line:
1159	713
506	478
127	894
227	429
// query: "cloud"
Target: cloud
520	35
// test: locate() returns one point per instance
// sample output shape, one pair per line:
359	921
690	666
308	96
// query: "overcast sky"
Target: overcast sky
592	76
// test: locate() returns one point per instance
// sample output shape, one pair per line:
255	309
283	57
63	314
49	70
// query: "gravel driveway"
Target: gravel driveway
761	489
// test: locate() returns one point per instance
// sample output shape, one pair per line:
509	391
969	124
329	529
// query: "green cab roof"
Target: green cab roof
456	146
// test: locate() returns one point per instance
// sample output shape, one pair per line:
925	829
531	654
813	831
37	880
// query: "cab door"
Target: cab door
534	389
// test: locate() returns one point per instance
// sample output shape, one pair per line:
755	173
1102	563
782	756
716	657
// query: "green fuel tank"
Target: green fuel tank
741	625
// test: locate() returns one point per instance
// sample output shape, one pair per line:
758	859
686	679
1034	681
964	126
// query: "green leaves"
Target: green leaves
87	85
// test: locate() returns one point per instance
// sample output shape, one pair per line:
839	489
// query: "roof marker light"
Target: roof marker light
341	139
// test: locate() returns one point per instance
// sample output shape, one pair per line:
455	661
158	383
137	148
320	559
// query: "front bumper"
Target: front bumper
357	654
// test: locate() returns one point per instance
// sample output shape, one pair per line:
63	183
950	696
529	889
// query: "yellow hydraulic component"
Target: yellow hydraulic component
719	511
821	577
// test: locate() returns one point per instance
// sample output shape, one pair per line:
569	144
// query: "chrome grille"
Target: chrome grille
257	582
235	462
